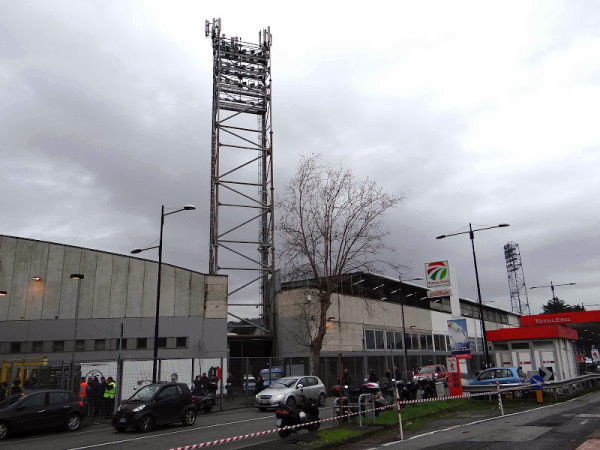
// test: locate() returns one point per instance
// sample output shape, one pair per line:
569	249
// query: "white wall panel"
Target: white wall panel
54	281
35	294
136	283
8	253
119	287
68	291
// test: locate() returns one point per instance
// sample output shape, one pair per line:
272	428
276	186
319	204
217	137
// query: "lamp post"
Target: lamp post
399	290
552	286
159	246
471	233
78	277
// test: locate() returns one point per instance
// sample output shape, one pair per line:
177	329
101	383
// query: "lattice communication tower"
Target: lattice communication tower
241	182
519	301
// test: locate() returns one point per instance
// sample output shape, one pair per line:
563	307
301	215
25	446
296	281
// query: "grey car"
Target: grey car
287	391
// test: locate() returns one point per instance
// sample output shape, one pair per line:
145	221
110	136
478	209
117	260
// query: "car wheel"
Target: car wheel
120	429
73	422
291	401
189	417
518	395
146	424
322	399
3	430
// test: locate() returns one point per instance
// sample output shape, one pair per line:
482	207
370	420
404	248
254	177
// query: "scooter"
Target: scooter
351	398
304	413
428	388
204	401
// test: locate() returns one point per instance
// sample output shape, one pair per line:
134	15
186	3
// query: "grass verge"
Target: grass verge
335	435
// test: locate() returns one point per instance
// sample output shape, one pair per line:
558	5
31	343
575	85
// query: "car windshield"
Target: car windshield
428	370
145	394
283	383
11	400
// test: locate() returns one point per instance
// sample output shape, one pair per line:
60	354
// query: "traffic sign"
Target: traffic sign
546	372
537	382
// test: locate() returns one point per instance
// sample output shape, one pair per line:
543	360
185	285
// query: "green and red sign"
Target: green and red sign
437	274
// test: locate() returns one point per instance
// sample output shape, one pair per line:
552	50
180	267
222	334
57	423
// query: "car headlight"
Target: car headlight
256	397
278	397
138	409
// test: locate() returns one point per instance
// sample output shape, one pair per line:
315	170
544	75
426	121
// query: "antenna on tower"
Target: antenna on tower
519	302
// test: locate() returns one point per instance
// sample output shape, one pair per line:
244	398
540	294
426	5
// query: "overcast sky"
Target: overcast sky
476	111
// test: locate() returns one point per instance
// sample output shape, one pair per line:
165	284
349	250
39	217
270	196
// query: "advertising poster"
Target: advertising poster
459	340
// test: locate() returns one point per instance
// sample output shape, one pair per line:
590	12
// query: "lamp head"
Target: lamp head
502	225
3	293
441	236
37	278
136	251
189	207
77	276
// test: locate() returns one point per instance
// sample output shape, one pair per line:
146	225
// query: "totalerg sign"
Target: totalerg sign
561	318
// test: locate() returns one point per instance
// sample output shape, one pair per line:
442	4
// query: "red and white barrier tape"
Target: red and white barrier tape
293	427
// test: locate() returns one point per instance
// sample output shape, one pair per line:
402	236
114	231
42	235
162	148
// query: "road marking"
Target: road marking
387	444
187	430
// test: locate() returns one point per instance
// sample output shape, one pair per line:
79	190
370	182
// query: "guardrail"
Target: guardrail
553	388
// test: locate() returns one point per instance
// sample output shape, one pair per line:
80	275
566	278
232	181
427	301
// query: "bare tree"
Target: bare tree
330	224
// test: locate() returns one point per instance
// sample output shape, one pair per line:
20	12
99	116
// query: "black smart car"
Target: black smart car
156	404
38	409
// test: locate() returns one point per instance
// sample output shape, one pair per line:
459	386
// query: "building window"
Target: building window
58	346
399	340
142	343
15	347
423	339
79	345
181	342
429	341
389	340
162	342
379	344
439	342
99	344
38	346
123	343
370	339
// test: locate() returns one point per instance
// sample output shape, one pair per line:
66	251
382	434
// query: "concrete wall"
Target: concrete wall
116	289
352	316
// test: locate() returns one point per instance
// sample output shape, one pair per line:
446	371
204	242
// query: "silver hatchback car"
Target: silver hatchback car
287	391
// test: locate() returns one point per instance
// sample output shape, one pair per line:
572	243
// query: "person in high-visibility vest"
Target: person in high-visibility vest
109	396
83	389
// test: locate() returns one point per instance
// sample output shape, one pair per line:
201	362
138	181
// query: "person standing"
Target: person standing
373	378
346	378
83	393
229	388
109	397
16	387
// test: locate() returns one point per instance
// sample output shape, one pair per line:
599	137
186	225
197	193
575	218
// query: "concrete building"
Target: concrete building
366	325
48	314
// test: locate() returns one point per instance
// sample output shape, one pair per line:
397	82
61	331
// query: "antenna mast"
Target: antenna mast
241	177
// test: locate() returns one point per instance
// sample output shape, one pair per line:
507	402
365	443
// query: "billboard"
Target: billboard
459	340
437	274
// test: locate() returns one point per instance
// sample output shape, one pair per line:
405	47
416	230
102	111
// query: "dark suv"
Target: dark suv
156	404
42	408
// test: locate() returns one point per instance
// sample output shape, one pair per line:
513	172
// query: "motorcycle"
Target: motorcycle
353	403
204	401
428	387
407	390
304	413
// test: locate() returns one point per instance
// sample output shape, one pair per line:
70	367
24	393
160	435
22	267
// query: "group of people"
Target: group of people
98	395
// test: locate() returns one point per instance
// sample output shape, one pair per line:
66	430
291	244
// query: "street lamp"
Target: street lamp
471	233
159	246
78	277
399	290
3	293
552	286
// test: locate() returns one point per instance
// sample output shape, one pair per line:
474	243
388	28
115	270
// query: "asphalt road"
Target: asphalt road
208	427
551	426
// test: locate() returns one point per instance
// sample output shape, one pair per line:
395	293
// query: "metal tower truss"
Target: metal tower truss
519	301
241	183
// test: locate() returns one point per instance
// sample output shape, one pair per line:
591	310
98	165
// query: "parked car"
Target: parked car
504	375
249	382
34	410
287	391
436	372
271	375
156	404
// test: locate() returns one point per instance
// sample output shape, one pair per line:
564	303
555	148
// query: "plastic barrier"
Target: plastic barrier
292	427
